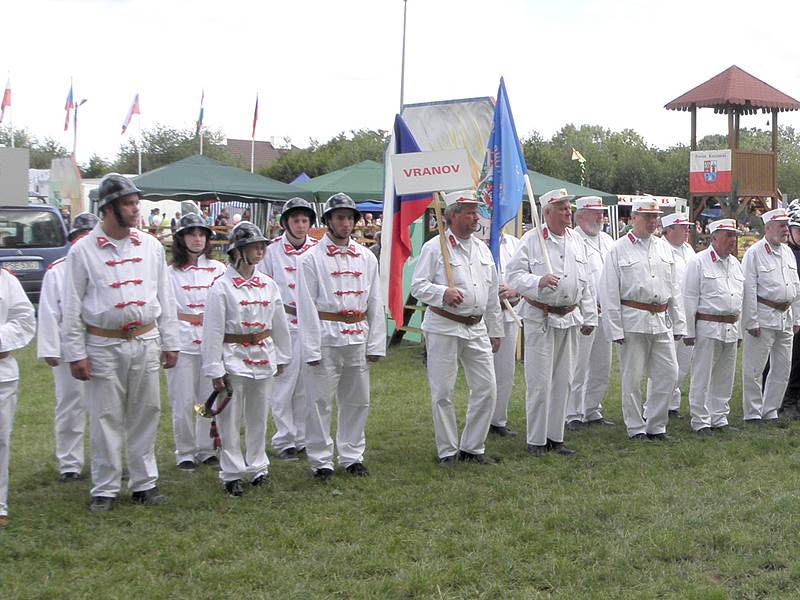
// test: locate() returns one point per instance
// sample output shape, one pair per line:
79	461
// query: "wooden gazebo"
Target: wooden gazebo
735	92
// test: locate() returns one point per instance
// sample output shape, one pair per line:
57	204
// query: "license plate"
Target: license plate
21	265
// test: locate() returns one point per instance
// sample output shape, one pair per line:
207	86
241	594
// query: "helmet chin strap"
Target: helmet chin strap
334	235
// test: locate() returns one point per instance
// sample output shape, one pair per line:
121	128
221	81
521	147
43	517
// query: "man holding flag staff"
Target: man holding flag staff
551	271
463	324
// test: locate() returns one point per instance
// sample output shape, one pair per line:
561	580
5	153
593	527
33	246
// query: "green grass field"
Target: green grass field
703	518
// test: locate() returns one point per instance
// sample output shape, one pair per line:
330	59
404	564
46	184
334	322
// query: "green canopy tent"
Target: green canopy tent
361	181
544	183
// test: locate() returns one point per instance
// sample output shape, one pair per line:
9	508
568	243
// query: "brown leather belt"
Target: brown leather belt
127	333
512	302
190	318
716	318
651	308
290	310
781	306
4	355
346	317
468	320
556	310
246	338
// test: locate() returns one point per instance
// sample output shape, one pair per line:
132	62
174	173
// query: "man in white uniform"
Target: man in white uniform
675	233
280	262
463	324
119	326
557	305
643	313
593	362
343	331
70	414
17	326
505	359
770	317
712	296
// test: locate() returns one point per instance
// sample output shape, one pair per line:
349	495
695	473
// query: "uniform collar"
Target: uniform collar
455	241
290	250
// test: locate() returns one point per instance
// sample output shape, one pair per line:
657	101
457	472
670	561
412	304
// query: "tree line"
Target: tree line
619	162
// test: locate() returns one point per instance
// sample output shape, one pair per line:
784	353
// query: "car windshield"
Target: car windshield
30	229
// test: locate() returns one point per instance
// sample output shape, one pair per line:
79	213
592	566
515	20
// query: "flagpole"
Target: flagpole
537	224
403	61
139	143
252	153
201	141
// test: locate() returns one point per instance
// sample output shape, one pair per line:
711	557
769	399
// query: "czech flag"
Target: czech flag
134	110
399	212
68	106
6	100
200	118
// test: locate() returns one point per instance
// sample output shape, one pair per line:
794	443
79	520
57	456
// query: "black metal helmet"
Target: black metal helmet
190	220
297	205
243	234
84	221
114	186
340	200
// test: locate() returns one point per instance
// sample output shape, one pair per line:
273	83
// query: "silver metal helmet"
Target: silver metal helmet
340	200
84	221
297	205
190	220
793	210
243	234
114	186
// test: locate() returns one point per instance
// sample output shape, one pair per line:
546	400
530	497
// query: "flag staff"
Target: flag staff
403	61
75	129
253	138
139	142
11	118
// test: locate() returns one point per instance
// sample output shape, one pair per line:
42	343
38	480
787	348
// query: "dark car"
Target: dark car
31	237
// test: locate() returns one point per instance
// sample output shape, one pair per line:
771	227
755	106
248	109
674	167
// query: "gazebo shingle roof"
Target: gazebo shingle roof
735	87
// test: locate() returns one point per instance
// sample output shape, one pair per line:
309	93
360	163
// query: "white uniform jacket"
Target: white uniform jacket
339	279
641	272
281	262
114	284
596	249
771	274
51	298
17	323
240	306
508	247
474	275
713	286
569	263
191	285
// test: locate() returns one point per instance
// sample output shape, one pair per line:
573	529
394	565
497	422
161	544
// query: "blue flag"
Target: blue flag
505	164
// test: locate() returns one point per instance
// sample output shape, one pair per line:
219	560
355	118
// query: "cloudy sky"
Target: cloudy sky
325	66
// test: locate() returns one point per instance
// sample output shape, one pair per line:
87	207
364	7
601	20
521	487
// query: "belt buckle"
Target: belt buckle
128	332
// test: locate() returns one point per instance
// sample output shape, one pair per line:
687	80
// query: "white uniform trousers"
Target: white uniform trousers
590	377
777	345
505	365
69	423
289	403
445	352
653	355
187	387
711	384
8	407
250	401
123	398
549	364
343	374
683	354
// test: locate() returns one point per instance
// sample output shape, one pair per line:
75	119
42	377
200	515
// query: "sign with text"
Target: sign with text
14	176
710	172
419	172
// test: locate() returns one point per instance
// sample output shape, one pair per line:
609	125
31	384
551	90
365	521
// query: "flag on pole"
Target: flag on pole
134	110
6	100
255	119
577	156
505	165
399	213
68	106
200	117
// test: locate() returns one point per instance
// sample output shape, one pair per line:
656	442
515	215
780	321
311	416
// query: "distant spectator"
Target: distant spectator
207	218
246	216
173	224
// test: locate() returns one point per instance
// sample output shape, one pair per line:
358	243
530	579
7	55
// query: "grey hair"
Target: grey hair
451	210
